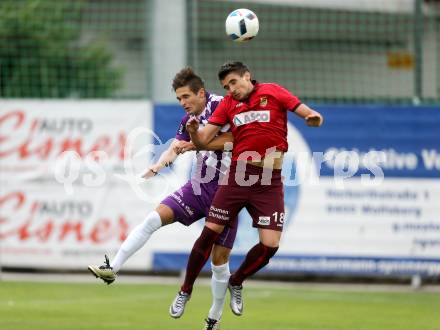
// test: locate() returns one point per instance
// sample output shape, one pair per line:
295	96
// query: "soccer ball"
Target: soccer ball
242	25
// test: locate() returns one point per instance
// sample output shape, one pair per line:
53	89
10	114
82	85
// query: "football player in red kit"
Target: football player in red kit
257	113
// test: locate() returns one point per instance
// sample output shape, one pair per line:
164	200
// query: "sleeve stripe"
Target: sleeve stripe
295	107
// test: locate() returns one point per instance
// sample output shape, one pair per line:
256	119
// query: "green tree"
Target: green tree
41	54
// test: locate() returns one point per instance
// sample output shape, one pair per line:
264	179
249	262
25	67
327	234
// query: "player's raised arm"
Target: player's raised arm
165	159
201	138
313	118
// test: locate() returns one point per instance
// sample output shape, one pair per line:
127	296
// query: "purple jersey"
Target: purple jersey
188	204
211	162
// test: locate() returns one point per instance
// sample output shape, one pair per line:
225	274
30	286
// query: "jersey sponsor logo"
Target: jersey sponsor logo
189	210
251	117
218	213
181	128
238	105
264	221
263	101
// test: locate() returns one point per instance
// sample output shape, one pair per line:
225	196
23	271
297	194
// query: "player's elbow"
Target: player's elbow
200	142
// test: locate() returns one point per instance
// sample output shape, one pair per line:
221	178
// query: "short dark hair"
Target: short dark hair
228	67
187	77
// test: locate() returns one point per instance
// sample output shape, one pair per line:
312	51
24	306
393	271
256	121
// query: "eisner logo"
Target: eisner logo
27	220
252	116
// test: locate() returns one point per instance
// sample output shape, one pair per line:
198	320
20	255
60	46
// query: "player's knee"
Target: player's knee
220	260
166	214
272	242
270	238
220	255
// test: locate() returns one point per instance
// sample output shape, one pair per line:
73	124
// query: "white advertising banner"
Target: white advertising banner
70	186
33	134
396	218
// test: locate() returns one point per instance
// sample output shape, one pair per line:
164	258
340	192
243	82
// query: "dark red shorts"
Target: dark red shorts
264	200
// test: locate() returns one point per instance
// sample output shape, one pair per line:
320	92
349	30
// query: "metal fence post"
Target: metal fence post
418	52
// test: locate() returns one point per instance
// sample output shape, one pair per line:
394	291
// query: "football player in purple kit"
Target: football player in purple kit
191	202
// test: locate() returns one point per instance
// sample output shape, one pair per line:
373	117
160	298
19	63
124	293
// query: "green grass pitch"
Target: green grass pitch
56	306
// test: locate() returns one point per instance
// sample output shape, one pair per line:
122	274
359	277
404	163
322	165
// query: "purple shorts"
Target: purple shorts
189	207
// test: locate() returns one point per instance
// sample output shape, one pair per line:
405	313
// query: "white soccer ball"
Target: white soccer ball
242	25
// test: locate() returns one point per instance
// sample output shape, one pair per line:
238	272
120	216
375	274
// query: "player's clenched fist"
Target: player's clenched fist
192	125
314	120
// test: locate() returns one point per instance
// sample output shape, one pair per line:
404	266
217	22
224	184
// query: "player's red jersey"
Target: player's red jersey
259	122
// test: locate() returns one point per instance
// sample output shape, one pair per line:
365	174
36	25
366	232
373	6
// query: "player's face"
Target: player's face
192	103
238	86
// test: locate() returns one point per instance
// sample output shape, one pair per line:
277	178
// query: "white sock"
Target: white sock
137	239
219	284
